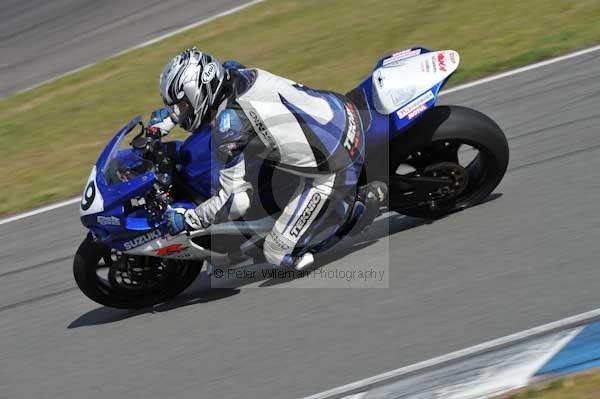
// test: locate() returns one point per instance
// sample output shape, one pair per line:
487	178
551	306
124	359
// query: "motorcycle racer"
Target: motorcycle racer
253	114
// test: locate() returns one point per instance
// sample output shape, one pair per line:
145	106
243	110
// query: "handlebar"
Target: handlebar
146	139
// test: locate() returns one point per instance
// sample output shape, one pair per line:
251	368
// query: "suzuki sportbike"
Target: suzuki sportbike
436	160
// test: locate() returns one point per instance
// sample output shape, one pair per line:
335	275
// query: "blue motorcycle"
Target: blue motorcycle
435	159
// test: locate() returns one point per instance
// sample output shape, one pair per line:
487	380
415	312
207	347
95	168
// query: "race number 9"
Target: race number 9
88	196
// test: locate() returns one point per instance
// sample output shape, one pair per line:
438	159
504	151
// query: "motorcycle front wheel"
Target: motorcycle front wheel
129	282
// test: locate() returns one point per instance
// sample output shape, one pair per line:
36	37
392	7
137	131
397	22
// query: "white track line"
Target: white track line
147	43
368	383
40	210
520	70
454	89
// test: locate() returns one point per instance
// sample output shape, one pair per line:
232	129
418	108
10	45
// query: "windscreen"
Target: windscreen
125	163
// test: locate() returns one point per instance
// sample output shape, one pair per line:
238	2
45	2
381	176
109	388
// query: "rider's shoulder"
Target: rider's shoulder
231	121
227	120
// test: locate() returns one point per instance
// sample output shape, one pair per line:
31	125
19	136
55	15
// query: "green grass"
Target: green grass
52	135
583	386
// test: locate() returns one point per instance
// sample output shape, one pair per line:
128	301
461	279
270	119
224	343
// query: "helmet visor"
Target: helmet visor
182	111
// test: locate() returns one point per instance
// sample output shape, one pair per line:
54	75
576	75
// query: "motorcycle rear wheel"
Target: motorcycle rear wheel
451	128
91	256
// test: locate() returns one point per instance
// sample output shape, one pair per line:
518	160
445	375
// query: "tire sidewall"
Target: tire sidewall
472	128
84	271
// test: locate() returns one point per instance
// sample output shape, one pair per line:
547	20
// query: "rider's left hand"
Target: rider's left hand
180	219
160	122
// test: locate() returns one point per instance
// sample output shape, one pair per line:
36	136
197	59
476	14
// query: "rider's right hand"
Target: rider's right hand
180	219
175	218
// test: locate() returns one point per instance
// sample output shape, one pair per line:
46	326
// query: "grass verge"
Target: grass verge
582	386
52	135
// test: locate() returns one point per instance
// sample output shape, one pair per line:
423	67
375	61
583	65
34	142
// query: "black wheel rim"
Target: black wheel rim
476	159
156	276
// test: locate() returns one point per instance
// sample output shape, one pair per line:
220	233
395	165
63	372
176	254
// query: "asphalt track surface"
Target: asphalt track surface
41	39
526	257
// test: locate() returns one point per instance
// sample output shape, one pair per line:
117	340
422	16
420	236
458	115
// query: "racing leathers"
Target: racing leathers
316	135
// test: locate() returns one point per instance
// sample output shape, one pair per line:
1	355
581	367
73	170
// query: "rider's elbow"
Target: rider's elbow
239	205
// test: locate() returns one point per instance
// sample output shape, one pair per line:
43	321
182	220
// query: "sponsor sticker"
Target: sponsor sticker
400	56
395	64
279	241
441	58
209	72
108	220
415	107
135	202
225	122
425	66
261	129
307	213
380	79
137	241
171	250
419	110
401	95
452	56
352	139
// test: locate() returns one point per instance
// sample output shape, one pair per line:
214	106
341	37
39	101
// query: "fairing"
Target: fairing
106	217
122	176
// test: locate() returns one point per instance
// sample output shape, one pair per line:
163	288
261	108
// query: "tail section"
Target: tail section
401	88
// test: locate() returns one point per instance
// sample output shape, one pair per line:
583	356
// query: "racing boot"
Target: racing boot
299	263
371	197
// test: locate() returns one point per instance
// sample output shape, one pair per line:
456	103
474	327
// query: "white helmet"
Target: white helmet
189	86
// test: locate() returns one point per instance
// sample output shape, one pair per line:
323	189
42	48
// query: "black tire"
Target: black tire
455	124
99	290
